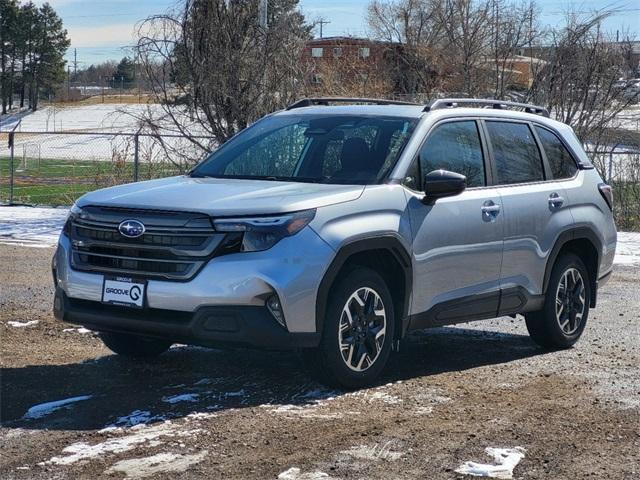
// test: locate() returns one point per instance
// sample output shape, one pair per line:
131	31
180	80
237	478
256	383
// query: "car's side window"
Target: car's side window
455	146
560	160
515	153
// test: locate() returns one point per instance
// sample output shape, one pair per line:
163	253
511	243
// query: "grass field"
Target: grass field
51	181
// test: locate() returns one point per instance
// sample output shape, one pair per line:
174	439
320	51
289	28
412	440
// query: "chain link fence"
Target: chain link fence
620	168
55	168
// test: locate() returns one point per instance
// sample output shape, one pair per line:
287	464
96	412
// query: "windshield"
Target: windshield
342	149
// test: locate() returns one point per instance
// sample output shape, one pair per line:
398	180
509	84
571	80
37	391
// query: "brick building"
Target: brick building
349	65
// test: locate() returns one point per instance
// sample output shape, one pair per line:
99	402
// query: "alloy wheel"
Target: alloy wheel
362	329
570	301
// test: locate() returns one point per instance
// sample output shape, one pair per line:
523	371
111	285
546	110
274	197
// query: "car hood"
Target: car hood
222	197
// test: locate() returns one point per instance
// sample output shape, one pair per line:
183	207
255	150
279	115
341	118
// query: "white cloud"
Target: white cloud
116	34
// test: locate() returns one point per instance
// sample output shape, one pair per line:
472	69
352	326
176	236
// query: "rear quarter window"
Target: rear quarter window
560	160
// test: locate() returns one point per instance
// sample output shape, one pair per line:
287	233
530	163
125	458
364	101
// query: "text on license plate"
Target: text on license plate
123	291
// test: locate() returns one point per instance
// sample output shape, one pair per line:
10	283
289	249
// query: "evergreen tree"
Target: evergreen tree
32	47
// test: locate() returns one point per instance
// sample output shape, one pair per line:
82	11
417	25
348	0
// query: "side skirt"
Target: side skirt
508	301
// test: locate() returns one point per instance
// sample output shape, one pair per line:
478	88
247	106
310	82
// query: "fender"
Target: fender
565	237
389	242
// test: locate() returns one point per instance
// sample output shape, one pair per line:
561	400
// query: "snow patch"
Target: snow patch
184	397
383	397
32	227
505	458
139	435
22	324
136	417
375	452
81	330
627	249
294	473
44	409
155	464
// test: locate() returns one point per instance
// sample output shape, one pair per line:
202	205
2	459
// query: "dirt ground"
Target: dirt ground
448	394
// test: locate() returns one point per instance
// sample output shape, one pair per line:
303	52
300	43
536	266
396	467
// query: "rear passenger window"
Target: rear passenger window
455	146
560	160
515	153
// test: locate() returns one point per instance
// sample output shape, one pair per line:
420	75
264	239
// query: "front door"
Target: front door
458	241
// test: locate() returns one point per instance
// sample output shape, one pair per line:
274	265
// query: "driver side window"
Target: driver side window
455	146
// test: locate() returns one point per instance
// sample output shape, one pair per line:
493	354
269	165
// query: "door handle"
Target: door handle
555	200
490	210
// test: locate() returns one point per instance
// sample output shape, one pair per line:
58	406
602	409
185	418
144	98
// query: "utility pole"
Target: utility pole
75	61
322	22
68	84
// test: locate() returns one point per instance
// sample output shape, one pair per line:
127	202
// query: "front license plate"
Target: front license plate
124	291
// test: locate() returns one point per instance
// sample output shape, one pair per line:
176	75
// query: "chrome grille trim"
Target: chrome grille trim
169	249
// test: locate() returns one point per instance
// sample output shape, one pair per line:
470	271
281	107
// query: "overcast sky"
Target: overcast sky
100	28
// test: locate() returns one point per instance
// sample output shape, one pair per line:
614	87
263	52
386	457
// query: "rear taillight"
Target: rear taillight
607	193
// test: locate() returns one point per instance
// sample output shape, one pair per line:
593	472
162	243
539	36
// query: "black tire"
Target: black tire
133	346
327	362
544	326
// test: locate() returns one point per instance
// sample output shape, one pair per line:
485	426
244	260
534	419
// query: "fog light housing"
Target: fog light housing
275	307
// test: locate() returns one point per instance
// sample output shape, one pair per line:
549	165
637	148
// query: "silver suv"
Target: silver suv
336	226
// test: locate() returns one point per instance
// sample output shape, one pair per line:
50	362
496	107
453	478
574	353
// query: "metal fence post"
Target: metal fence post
11	180
136	159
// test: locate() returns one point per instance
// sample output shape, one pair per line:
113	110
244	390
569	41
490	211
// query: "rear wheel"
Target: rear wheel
134	346
563	318
358	331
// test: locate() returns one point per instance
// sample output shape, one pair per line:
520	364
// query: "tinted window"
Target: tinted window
560	160
455	147
515	152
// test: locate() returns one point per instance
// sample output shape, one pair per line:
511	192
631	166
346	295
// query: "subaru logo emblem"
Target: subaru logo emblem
131	228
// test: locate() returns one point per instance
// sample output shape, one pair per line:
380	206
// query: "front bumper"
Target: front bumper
207	326
292	269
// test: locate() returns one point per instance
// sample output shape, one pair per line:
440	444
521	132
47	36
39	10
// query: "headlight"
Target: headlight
262	233
73	213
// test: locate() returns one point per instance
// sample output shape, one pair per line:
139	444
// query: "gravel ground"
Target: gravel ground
448	394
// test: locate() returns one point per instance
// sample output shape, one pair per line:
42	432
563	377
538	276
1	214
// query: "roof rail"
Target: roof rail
308	102
441	103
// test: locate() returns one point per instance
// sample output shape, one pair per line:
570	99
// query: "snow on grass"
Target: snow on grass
22	324
506	460
628	249
156	464
37	227
294	473
137	436
183	397
44	409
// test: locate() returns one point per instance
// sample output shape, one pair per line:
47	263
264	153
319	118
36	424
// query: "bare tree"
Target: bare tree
413	24
578	82
214	69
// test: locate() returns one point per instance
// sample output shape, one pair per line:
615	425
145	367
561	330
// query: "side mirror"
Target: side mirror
442	183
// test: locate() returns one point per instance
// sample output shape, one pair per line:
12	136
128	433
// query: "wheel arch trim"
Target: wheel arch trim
389	242
578	233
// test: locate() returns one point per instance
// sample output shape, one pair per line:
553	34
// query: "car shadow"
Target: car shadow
189	380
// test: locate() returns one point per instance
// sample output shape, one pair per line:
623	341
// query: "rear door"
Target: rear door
457	244
535	209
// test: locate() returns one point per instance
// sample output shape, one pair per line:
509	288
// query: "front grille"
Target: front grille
175	245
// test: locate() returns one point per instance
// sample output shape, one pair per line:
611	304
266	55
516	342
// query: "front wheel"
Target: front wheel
358	331
134	346
562	319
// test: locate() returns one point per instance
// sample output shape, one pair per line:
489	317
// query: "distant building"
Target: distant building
349	65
